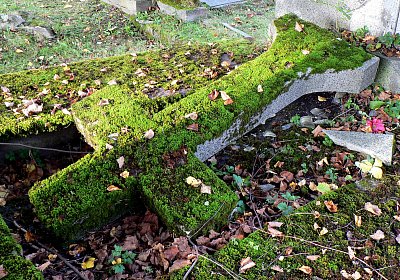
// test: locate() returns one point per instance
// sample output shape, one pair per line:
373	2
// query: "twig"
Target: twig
190	269
41	148
54	252
206	222
227	270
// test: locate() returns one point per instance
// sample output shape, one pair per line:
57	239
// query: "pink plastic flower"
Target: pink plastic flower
376	125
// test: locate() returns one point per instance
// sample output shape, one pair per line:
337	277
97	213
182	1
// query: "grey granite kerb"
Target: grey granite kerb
351	81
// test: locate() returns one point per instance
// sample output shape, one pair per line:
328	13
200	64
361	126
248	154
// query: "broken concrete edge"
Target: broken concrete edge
181	207
131	7
183	14
120	68
16	266
351	81
376	145
388	73
300	235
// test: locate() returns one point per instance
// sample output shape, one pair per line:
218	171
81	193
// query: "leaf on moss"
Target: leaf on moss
305	269
357	220
121	162
149	134
277	268
332	207
112	82
313	257
178	264
275	224
299	27
378	235
193	127
213	94
260	89
3	272
356	275
226	98
398	238
193	181
246	264
5	89
205	189
352	254
103	102
305	52
193	116
124	174
323	231
374	209
323	187
112	188
88	263
274	232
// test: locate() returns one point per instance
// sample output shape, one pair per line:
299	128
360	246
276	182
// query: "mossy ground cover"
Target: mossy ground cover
160	165
83	30
173	72
12	265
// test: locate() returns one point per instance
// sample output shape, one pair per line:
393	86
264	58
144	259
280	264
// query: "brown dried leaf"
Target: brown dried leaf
313	257
205	189
193	116
112	188
149	134
275	233
193	127
357	220
305	269
246	264
43	266
121	162
213	94
299	27
352	254
277	268
130	243
103	102
275	224
374	209
378	235
3	272
178	264
332	207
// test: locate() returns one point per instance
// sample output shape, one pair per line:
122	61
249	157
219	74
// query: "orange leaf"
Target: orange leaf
193	126
305	269
112	188
332	207
213	95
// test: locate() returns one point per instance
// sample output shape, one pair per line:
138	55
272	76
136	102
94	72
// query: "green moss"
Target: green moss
74	196
182	4
17	267
264	250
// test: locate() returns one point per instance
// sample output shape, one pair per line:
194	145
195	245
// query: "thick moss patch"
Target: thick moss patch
158	166
178	71
17	267
301	237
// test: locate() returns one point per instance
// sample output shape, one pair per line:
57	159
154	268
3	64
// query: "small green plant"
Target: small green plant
119	258
332	174
295	119
361	32
327	141
387	39
284	206
304	167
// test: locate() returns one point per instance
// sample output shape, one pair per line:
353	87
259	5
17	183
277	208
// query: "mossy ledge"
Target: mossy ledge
177	71
70	201
265	250
17	267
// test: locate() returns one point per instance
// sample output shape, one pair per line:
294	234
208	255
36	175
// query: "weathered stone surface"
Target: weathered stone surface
220	3
185	15
352	81
388	73
131	6
376	145
10	21
39	31
380	16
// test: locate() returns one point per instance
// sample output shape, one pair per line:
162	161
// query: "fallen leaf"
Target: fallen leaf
313	257
299	27
332	207
112	82
193	181
323	187
193	116
345	274
275	224
121	161
43	266
124	174
112	188
352	254
323	231
313	186
3	272
378	235
397	218
374	209
246	264
213	95
260	89
321	99
149	134
226	98
103	102
205	189
318	131
5	89
65	111
178	264
356	275
367	270
398	238
193	127
357	220
19	51
225	63
277	268
88	263
316	226
274	232
305	52
305	269
130	243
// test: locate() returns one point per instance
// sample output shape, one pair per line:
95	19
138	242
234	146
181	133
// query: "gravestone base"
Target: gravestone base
185	15
131	6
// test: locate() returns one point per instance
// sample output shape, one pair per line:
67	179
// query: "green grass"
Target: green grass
84	30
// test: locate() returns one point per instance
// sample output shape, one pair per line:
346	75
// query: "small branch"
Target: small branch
190	269
53	251
230	272
41	148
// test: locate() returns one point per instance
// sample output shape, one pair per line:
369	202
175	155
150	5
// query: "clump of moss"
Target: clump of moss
73	196
17	267
182	4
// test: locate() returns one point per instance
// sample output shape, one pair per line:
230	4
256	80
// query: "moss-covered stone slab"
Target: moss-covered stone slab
302	238
16	267
116	120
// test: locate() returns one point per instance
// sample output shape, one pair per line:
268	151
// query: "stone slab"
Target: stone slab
10	21
351	81
220	3
131	6
388	73
376	145
185	15
380	16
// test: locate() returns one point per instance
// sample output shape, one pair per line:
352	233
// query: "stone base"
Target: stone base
131	6
185	15
388	73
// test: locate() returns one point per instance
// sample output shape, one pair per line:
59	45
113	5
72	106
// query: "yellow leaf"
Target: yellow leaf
124	174
321	99
323	231
364	165
112	188
193	181
19	51
376	172
357	220
378	162
305	269
89	263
